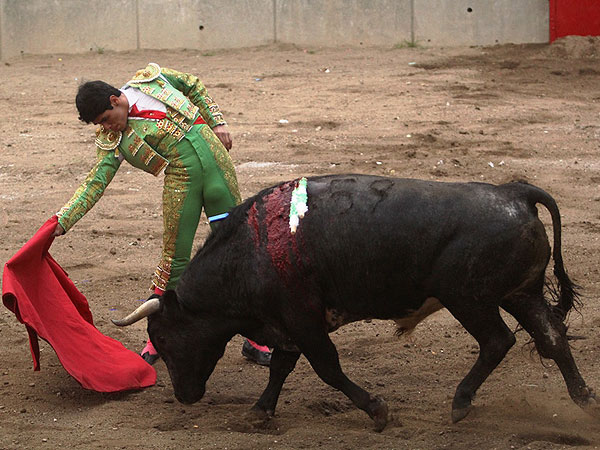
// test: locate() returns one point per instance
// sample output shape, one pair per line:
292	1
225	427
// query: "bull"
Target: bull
367	247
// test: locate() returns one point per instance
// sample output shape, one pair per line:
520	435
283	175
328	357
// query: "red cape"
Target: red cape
42	296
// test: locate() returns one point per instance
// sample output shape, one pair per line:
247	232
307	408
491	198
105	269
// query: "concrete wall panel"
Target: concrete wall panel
343	22
65	26
198	24
73	26
481	22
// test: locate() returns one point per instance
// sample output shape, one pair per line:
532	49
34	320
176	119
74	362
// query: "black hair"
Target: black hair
93	98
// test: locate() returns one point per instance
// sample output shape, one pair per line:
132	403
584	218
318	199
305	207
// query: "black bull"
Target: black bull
368	247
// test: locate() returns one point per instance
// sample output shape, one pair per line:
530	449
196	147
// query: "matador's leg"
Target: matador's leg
182	206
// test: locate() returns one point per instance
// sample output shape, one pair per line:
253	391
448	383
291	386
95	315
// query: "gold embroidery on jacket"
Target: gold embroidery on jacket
149	73
88	192
107	140
135	146
149	90
179	119
164	95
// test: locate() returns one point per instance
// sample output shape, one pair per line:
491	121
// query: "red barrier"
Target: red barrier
574	17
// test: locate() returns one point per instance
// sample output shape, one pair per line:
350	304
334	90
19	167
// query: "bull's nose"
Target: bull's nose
187	398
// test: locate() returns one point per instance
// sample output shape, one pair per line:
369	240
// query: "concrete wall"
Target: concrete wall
481	22
207	24
73	26
64	26
343	22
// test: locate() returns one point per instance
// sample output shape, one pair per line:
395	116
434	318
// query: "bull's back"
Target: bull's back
386	245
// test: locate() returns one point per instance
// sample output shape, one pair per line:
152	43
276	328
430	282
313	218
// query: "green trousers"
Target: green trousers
201	176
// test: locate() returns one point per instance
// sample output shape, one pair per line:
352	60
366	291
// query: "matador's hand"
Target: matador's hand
58	231
222	132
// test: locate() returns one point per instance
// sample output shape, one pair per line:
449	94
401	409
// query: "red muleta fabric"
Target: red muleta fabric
41	295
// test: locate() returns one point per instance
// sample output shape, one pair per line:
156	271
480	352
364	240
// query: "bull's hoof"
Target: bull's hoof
259	419
590	404
379	413
257	413
459	414
249	422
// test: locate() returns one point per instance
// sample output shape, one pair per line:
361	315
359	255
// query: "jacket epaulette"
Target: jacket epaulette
107	140
150	73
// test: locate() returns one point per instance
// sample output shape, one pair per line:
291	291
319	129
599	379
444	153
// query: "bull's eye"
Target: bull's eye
160	339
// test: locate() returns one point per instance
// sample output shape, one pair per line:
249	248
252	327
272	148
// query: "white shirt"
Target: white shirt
143	101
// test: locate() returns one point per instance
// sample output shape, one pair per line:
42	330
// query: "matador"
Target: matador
162	121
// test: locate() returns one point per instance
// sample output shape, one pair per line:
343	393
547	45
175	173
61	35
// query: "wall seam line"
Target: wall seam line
137	24
275	21
412	22
1	19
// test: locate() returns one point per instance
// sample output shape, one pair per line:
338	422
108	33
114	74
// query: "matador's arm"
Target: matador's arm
194	89
90	191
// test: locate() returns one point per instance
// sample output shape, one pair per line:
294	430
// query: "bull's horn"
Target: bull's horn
149	307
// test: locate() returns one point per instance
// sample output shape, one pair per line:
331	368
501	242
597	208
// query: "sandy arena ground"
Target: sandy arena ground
470	114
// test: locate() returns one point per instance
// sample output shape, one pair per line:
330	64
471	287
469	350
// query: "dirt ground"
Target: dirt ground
471	114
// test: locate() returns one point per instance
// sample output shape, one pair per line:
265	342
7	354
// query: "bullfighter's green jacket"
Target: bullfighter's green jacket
147	144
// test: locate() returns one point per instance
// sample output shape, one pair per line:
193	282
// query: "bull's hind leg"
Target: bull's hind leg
282	364
550	336
484	323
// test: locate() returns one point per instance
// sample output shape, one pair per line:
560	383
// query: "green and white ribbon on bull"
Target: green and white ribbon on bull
298	204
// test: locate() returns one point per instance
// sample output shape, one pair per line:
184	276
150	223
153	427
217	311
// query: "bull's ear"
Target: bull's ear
169	301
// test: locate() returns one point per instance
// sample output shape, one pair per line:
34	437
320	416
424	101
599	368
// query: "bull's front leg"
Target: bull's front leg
282	364
323	357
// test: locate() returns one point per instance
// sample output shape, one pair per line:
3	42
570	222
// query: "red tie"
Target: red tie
156	115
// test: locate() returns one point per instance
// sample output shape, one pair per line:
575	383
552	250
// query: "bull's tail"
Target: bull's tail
566	290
